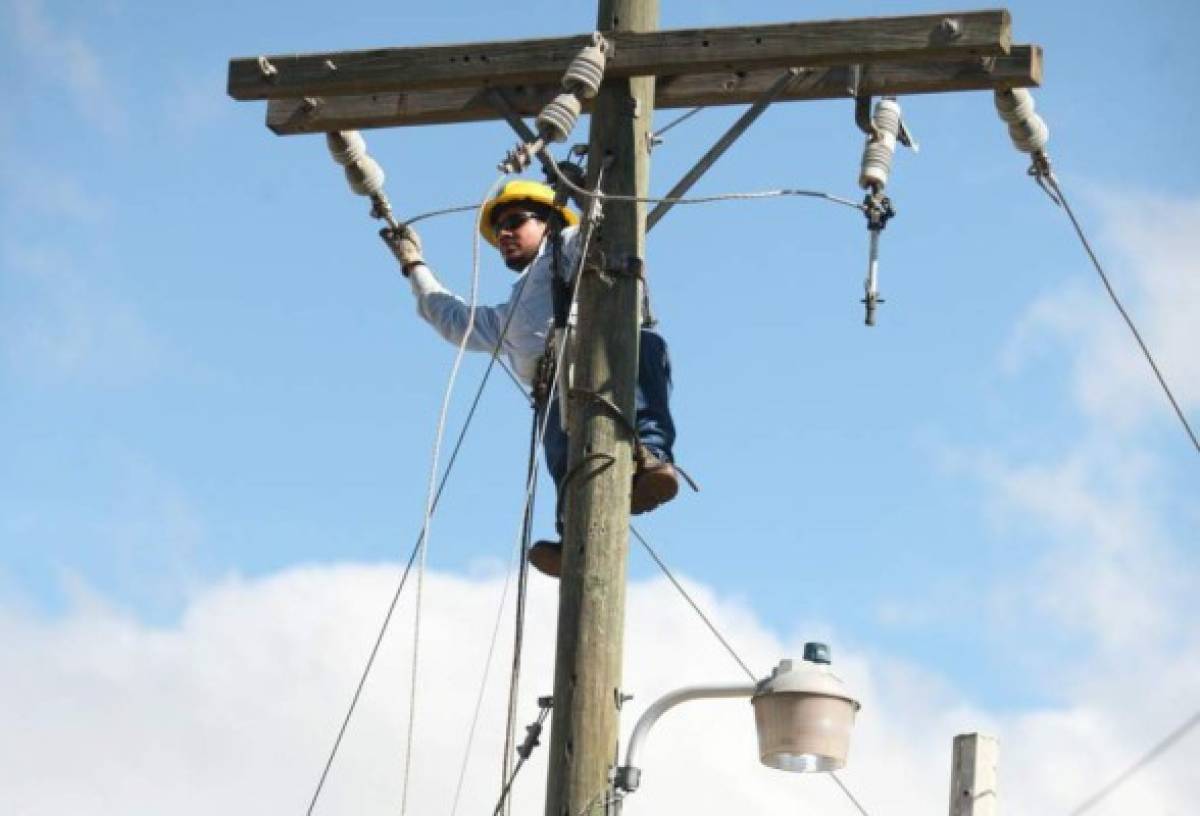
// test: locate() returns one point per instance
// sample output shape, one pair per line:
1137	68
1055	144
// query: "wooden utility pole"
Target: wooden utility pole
973	776
591	612
646	68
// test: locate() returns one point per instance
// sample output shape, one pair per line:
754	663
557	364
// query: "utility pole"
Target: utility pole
973	776
591	611
645	69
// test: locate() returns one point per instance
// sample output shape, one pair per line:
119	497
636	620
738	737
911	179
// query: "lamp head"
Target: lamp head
804	715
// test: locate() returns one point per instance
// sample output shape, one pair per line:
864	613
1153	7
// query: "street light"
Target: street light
803	714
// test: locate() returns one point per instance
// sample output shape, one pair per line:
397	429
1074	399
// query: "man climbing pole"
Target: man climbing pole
540	241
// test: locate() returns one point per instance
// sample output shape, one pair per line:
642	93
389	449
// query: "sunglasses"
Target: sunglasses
514	221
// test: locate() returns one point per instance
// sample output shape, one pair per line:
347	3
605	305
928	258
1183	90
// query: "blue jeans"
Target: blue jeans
655	428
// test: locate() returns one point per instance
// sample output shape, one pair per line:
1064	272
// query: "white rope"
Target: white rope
530	486
487	670
429	497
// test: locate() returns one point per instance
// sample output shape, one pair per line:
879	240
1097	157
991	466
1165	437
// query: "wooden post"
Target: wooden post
591	617
973	776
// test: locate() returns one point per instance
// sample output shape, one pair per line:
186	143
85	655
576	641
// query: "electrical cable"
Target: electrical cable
677	120
534	730
514	676
711	627
530	494
362	680
1158	750
1053	182
450	462
423	546
487	665
540	423
846	790
436	213
748	196
575	188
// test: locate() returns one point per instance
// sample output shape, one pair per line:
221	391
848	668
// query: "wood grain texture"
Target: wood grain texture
651	53
591	615
1022	67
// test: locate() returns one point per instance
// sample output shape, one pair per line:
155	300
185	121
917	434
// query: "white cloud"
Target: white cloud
70	60
1102	575
1150	247
233	709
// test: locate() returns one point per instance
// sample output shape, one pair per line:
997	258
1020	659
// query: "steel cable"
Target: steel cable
494	358
695	606
1158	750
1053	182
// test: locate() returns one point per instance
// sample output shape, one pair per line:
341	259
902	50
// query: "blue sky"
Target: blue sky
212	375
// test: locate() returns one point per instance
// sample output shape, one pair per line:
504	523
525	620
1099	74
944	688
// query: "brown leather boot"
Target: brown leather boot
546	556
655	482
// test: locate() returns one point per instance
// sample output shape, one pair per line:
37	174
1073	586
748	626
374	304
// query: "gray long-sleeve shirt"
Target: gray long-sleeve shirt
530	304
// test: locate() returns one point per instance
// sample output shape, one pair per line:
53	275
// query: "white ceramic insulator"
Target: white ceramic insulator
881	146
585	73
1026	128
365	176
346	146
557	119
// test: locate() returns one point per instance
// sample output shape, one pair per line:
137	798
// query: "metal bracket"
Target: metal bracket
862	113
722	144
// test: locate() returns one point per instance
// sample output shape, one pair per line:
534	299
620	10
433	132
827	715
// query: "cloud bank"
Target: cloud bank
233	710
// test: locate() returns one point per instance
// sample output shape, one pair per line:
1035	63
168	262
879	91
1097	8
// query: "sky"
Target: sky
217	408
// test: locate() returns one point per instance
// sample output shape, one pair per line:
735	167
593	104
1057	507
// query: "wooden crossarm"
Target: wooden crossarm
1022	67
661	53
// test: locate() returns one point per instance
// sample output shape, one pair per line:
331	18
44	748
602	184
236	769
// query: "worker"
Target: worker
517	222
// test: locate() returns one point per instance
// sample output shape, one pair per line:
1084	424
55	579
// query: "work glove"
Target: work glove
405	244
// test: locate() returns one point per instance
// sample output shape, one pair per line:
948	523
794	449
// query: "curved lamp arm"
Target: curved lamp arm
629	776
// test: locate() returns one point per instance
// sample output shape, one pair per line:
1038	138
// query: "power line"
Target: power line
423	544
729	648
677	120
450	462
1053	182
695	606
1158	750
846	790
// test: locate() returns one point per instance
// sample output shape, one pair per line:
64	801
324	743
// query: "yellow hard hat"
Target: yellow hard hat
532	191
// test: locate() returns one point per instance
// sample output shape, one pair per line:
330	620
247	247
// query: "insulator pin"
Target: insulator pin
881	146
557	119
365	177
346	146
1026	128
585	73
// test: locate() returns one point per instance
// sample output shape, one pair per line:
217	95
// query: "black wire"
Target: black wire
519	624
846	790
416	548
712	628
504	792
1159	749
1120	308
